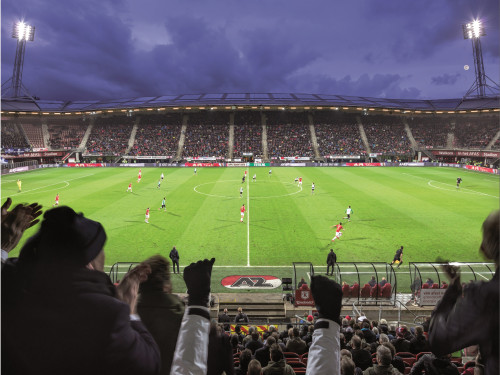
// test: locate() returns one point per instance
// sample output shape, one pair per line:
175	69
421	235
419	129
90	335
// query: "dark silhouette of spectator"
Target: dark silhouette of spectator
468	316
60	300
368	334
277	364
263	354
294	343
245	358
400	343
383	365
160	310
220	353
330	261
301	282
361	357
174	256
225	319
383	282
254	343
429	282
432	365
235	344
419	344
397	361
372	282
241	317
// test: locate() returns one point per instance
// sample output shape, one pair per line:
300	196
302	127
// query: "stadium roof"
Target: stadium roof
248	99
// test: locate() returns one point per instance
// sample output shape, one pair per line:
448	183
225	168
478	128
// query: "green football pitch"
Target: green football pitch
419	208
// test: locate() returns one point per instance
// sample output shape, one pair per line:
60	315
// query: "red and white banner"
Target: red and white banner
203	165
481	169
364	164
86	165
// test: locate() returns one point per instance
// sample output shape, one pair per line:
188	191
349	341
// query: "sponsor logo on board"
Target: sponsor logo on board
251	282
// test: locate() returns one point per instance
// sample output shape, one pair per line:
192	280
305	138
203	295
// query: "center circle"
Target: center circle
196	189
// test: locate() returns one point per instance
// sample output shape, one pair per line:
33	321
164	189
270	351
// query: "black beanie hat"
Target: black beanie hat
70	237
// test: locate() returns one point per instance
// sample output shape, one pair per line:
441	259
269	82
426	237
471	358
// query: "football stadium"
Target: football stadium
269	184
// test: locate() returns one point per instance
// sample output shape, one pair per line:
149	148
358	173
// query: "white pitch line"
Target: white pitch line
248	219
57	183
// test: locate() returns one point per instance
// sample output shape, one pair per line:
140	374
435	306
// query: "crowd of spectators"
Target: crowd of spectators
247	138
156	140
66	136
430	132
34	134
13	137
339	139
110	136
289	140
476	134
57	298
206	140
387	139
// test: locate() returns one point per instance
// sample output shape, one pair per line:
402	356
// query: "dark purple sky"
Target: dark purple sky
105	49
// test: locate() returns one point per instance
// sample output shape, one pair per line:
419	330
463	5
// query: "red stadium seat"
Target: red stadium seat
425	286
291	355
346	291
386	291
444	286
295	365
435	286
355	290
421	354
365	292
376	291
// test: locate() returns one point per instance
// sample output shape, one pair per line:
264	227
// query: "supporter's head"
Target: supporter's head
356	342
275	353
295	331
490	244
345	353
383	338
384	356
374	323
347	366
272	329
68	238
391	347
310	329
254	368
345	322
366	324
270	341
375	330
290	333
383	321
245	358
255	336
237	329
225	310
419	331
159	278
400	333
240	310
234	341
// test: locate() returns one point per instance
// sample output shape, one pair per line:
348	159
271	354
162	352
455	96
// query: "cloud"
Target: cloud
445	79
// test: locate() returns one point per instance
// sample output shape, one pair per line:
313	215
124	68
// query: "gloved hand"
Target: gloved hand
197	277
327	296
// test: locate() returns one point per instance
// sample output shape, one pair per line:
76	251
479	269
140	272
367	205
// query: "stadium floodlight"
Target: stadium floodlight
473	31
23	33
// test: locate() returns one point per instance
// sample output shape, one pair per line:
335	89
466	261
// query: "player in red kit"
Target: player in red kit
129	187
56	203
300	181
242	210
338	232
147	215
139	176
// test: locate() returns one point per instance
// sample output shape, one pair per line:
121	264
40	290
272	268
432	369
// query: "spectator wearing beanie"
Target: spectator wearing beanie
61	302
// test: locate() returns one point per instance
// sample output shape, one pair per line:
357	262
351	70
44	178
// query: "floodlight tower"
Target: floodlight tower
473	31
23	33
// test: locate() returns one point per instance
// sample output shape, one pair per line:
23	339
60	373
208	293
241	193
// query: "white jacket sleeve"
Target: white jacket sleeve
191	350
324	354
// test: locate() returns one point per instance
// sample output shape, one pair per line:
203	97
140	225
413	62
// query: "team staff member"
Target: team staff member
330	261
174	256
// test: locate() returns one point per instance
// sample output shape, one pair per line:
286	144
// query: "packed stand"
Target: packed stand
247	134
289	141
13	137
384	138
110	136
476	133
139	327
430	132
206	140
156	140
66	135
34	134
339	139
